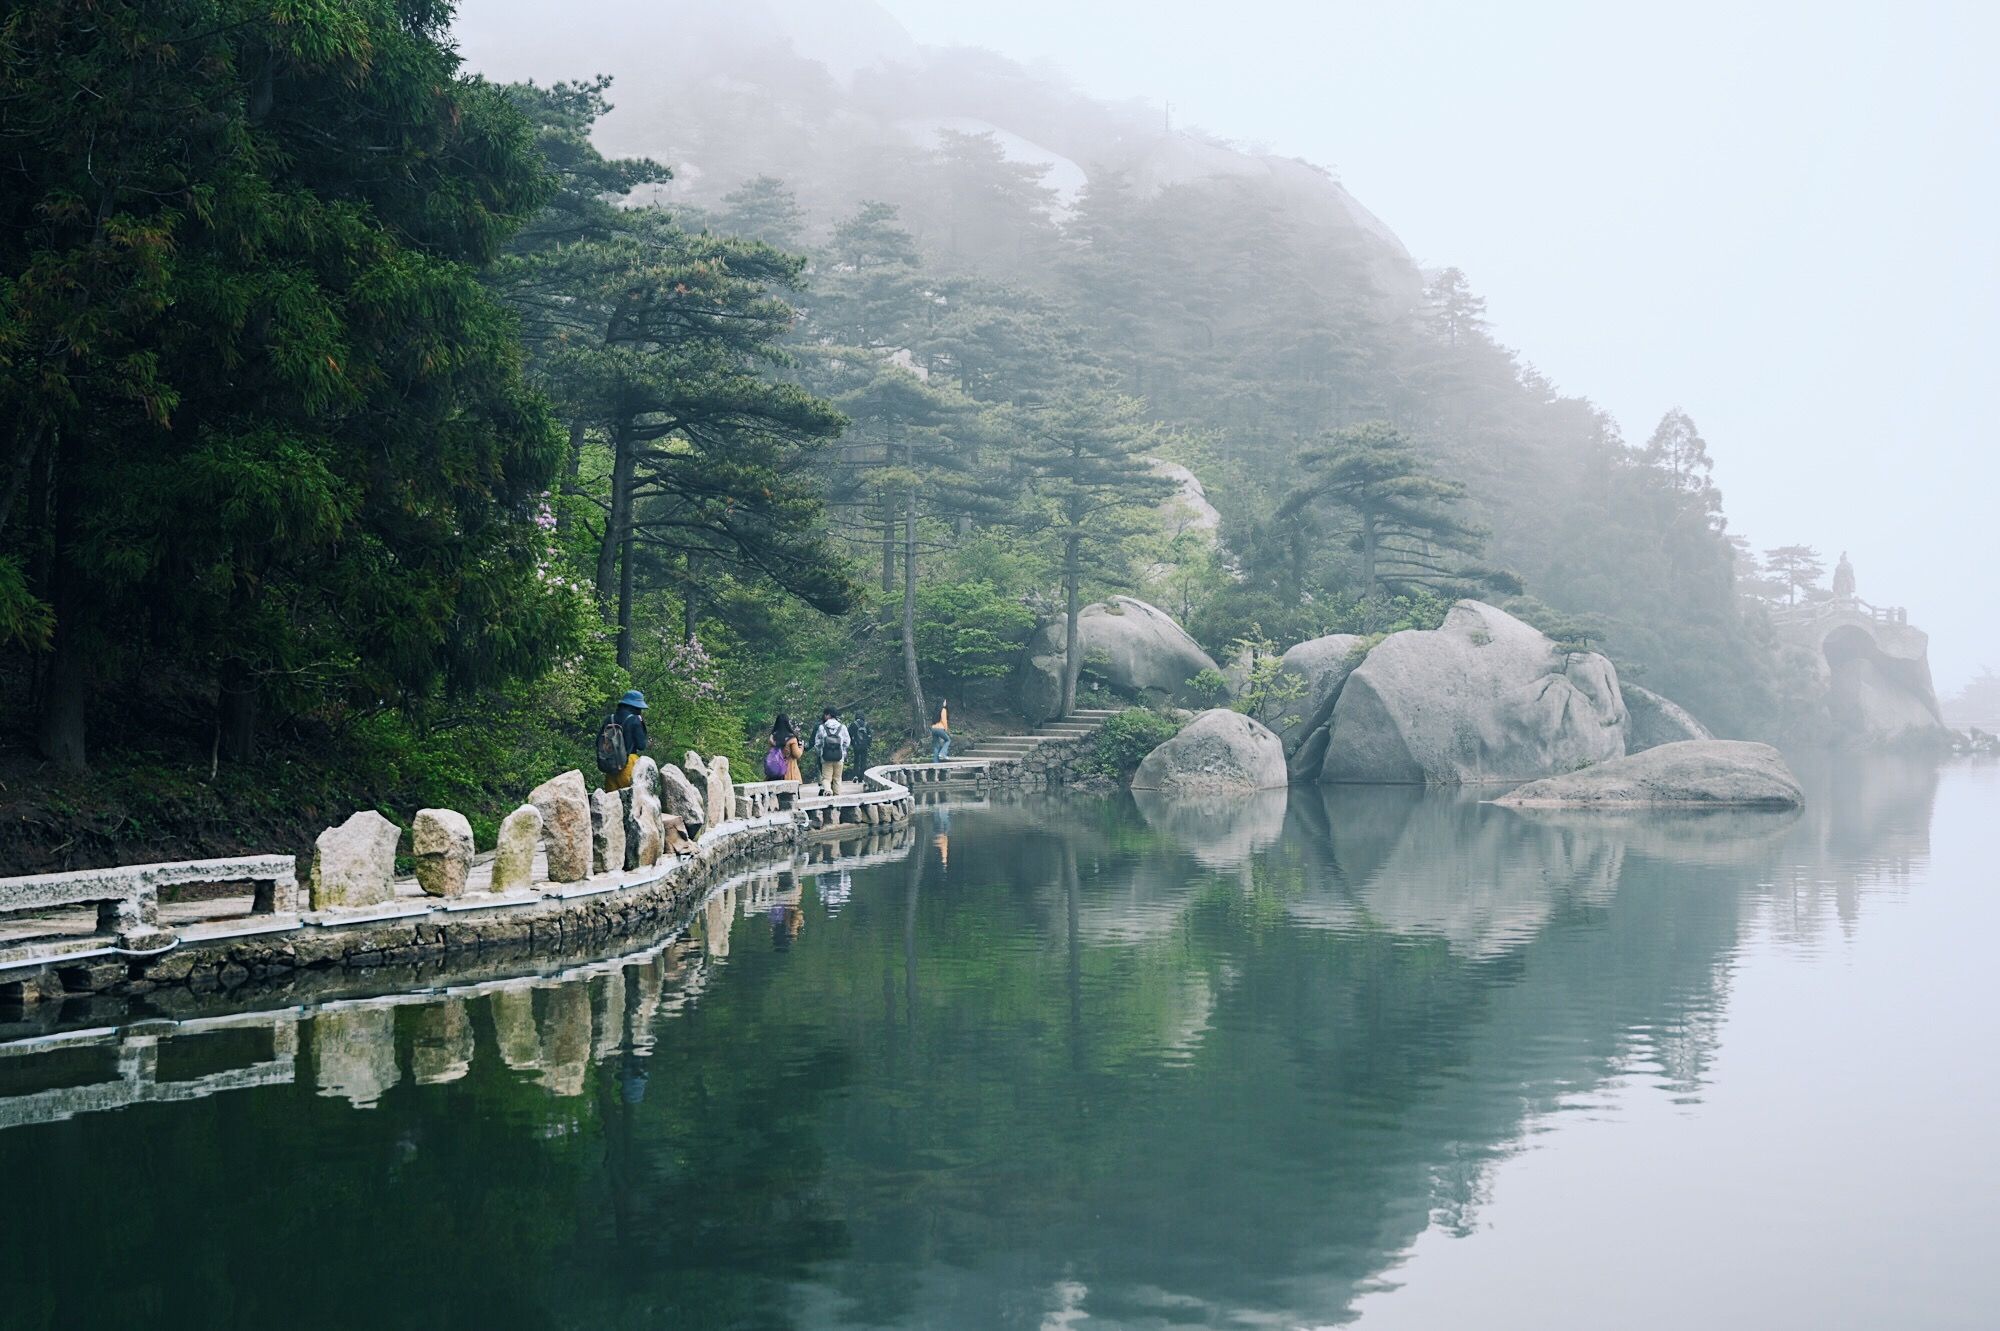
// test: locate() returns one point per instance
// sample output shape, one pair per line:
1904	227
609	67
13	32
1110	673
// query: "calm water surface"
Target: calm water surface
1372	1057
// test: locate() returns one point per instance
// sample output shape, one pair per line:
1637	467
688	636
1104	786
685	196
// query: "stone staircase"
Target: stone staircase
1014	747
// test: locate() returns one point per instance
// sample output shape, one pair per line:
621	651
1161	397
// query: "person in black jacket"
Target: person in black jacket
863	736
630	714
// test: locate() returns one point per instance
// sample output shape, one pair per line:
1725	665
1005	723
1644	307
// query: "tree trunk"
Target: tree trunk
1369	593
888	548
574	468
60	729
690	596
17	479
625	603
618	525
1072	615
236	713
912	681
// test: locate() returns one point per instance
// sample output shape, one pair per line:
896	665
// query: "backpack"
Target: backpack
831	750
774	764
611	751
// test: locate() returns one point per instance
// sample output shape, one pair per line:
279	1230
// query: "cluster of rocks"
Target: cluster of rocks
1484	698
1974	740
575	832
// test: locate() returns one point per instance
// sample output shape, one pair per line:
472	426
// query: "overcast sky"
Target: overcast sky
1779	215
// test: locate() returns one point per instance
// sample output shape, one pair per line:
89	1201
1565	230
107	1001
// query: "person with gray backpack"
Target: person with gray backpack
621	739
831	742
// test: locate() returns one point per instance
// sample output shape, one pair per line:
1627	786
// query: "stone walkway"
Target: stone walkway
92	929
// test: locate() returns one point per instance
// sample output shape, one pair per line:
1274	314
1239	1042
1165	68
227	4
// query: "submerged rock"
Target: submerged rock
1483	698
441	841
1713	773
355	864
1651	721
1137	648
1217	751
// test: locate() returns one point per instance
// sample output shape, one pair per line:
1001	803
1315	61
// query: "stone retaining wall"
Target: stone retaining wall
455	932
653	904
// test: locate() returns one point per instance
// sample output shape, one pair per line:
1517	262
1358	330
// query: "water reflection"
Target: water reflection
1113	1064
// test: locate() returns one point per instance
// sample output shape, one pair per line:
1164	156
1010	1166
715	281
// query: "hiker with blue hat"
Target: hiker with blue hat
621	739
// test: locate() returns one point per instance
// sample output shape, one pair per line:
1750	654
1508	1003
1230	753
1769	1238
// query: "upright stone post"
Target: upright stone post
134	921
355	864
680	797
721	794
696	769
564	803
645	826
607	832
514	861
441	840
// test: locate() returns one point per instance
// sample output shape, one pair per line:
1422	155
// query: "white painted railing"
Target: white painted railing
127	898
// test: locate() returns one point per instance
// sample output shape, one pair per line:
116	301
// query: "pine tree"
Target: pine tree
763	208
1405	528
1083	456
283	436
1797	568
667	345
1454	313
1677	448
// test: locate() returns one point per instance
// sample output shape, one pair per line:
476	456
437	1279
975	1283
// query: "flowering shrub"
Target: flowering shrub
689	703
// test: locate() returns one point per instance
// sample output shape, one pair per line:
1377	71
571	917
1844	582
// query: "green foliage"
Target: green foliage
658	346
286	442
1269	688
1123	742
1402	520
1208	688
970	631
1795	569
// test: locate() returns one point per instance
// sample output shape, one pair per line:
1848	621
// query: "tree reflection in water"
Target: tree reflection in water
1147	1062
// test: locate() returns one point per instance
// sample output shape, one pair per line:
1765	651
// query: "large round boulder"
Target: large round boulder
1300	697
1713	773
1136	648
1482	698
1219	750
1651	721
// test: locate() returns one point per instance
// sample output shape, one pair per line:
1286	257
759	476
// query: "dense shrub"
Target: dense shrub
1127	738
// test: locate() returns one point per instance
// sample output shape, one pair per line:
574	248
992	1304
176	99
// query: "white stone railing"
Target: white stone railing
755	799
1807	611
127	898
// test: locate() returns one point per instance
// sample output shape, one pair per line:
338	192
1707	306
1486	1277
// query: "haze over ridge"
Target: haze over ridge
1770	219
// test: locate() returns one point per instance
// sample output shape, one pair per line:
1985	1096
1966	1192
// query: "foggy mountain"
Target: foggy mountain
820	94
1248	300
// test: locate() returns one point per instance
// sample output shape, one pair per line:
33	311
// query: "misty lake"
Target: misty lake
1366	1056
